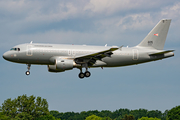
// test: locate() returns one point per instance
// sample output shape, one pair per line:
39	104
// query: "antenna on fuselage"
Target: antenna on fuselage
105	45
31	42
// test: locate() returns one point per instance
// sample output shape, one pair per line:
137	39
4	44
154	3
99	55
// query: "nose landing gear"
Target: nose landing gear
28	67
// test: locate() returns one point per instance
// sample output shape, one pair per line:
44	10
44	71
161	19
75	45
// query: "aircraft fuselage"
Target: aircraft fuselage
42	54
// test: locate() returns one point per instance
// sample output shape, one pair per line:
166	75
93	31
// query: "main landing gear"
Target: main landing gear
86	74
28	67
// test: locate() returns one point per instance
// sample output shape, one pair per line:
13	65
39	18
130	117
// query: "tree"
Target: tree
128	117
154	113
174	113
3	117
93	117
120	113
106	118
47	117
24	107
164	115
56	114
105	113
139	113
146	118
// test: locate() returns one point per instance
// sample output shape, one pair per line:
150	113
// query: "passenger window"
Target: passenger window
18	49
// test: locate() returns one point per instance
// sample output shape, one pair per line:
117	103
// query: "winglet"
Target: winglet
121	47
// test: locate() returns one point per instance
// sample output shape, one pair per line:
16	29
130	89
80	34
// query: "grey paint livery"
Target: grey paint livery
60	57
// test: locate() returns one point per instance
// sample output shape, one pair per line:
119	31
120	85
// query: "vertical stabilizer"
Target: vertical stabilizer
157	36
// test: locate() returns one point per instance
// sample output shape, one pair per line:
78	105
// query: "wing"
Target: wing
90	59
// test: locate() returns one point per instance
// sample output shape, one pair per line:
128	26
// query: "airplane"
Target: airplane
62	57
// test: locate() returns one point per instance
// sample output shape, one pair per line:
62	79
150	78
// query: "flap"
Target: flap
98	55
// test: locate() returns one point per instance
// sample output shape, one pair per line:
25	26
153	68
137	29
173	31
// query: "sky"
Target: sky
151	86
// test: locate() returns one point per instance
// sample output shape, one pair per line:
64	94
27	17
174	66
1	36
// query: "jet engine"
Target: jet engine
61	65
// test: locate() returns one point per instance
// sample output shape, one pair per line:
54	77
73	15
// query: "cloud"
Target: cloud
115	6
89	21
172	11
66	37
37	12
60	12
110	7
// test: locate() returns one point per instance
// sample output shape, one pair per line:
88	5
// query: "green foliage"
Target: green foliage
108	115
119	114
47	117
93	117
139	113
3	117
154	113
128	117
105	113
24	116
24	107
164	115
146	118
56	114
32	108
106	118
174	113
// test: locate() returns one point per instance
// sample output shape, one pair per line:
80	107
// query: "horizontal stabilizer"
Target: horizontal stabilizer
162	52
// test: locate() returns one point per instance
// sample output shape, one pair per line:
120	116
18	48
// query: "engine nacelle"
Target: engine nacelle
61	65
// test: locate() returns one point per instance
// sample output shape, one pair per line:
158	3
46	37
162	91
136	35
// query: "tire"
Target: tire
81	75
27	73
87	74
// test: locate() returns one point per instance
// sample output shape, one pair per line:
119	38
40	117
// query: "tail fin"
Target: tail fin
157	37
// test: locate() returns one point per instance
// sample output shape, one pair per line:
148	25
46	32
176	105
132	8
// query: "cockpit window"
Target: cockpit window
15	49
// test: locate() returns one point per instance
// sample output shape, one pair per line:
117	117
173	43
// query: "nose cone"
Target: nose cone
6	56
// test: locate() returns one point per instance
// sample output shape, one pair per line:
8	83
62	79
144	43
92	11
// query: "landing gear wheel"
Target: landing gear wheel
87	74
27	73
81	75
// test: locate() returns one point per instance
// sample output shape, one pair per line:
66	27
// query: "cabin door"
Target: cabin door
135	54
29	50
